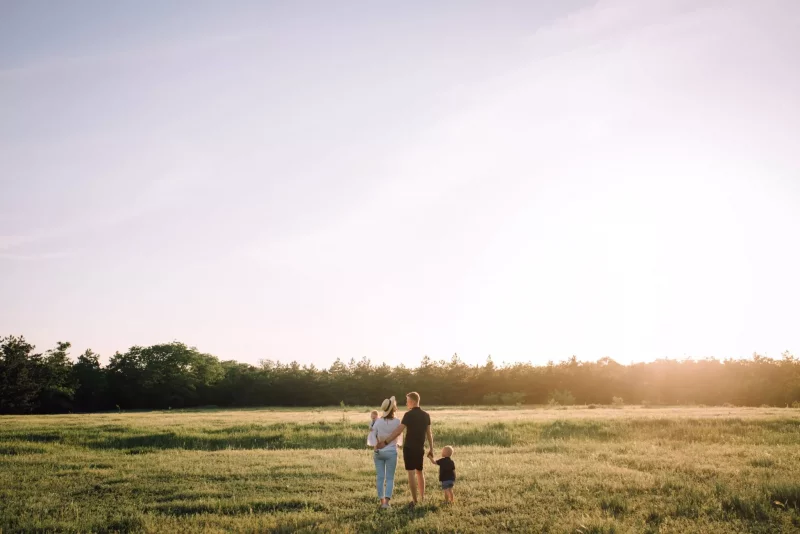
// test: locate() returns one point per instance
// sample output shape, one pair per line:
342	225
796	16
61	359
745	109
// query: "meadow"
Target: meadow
525	469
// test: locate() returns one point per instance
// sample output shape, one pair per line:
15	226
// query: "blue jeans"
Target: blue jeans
385	464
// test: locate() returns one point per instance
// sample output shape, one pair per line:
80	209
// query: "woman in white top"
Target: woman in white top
386	458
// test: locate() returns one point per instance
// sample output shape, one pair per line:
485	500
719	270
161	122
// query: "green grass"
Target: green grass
520	469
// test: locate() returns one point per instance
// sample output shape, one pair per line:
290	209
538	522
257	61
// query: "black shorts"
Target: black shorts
413	458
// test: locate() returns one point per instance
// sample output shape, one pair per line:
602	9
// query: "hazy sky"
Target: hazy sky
312	180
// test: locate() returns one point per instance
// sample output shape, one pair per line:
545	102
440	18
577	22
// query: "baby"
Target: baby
372	440
447	473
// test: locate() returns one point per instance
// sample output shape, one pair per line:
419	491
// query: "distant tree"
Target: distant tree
58	383
92	384
162	376
175	375
240	385
20	380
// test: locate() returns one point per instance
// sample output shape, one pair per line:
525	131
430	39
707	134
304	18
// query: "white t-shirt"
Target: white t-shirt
383	427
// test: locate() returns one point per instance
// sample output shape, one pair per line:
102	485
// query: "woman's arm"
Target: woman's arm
391	437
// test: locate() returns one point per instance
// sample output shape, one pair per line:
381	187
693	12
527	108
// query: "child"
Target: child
371	438
447	473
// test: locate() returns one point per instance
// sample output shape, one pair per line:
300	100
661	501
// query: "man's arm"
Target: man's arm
429	435
397	431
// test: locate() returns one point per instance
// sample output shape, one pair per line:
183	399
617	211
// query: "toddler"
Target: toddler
447	473
371	438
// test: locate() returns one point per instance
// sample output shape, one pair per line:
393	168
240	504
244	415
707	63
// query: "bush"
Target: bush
512	398
561	398
509	399
617	402
491	398
592	406
796	404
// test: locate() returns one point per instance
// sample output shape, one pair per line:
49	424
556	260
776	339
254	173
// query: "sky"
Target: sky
318	180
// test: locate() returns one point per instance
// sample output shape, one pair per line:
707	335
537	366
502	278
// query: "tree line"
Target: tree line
174	375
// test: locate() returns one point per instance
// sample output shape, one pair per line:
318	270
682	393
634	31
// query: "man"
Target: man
417	424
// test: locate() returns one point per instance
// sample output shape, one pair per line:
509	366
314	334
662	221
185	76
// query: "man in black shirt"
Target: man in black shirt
417	424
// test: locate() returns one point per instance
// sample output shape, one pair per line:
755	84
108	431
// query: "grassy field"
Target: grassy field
520	469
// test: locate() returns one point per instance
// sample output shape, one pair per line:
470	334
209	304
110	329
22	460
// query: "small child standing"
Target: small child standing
371	438
447	473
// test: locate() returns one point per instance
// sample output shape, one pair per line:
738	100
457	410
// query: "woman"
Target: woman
386	458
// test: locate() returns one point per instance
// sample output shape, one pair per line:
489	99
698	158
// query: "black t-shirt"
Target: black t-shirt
416	422
447	469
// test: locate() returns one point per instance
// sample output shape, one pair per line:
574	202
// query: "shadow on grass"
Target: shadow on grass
232	508
762	462
746	507
39	437
278	436
145	443
720	430
124	524
548	436
20	449
191	496
591	430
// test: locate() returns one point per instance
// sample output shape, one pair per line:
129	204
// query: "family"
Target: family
386	435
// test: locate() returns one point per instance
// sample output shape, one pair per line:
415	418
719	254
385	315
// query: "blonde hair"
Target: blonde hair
414	396
374	412
447	451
